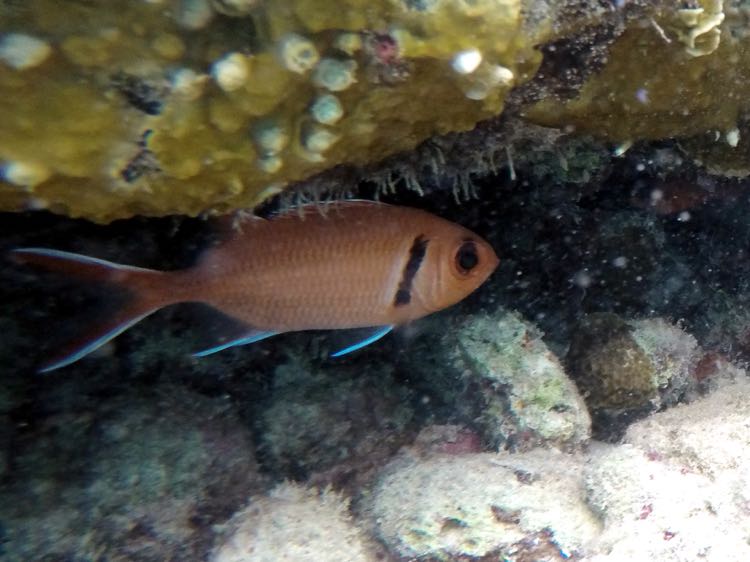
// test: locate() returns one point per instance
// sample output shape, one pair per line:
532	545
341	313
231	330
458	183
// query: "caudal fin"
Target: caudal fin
146	289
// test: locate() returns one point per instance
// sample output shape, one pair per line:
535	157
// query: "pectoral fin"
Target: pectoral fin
364	338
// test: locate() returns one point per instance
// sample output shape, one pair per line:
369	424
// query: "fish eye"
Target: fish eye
467	257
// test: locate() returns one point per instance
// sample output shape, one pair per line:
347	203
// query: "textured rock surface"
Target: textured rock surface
483	504
331	424
498	374
140	478
686	88
677	489
293	523
169	107
186	106
636	366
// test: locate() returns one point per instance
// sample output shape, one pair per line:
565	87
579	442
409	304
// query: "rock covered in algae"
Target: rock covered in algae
139	477
674	490
497	374
293	523
331	425
182	106
636	365
526	506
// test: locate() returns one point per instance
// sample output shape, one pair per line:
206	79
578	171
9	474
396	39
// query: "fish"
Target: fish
349	265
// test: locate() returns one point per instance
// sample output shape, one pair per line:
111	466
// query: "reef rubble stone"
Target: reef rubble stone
632	364
293	523
677	488
498	376
455	507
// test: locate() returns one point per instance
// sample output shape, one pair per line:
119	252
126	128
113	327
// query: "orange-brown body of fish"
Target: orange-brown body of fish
350	264
340	268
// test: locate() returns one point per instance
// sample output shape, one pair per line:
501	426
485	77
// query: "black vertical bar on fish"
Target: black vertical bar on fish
416	256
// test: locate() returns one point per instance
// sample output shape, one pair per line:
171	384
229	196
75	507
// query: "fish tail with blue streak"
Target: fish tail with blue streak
146	292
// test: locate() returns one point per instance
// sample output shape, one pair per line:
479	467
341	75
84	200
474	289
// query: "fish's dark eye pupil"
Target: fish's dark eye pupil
467	257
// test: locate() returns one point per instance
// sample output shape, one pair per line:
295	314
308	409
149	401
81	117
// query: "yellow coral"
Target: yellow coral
656	86
149	108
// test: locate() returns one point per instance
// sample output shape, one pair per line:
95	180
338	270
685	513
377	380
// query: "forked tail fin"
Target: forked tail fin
147	291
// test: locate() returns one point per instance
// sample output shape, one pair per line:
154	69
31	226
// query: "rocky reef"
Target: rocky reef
587	403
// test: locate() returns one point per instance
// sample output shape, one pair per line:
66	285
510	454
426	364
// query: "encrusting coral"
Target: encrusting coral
180	107
189	106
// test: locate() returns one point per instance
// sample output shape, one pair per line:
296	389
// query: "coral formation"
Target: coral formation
687	87
293	523
199	76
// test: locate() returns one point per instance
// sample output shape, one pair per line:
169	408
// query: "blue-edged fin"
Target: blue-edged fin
371	335
146	291
249	337
95	337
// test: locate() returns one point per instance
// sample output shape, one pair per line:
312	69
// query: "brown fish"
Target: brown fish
351	264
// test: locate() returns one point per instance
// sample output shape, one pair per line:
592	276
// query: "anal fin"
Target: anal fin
364	338
248	337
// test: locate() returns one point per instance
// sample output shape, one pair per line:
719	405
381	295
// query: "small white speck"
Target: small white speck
271	163
467	61
297	53
23	51
193	14
327	109
502	75
733	137
620	262
656	195
684	216
582	280
24	174
641	94
622	148
187	83
334	74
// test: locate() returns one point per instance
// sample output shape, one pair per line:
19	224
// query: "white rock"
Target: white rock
293	523
480	504
679	489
